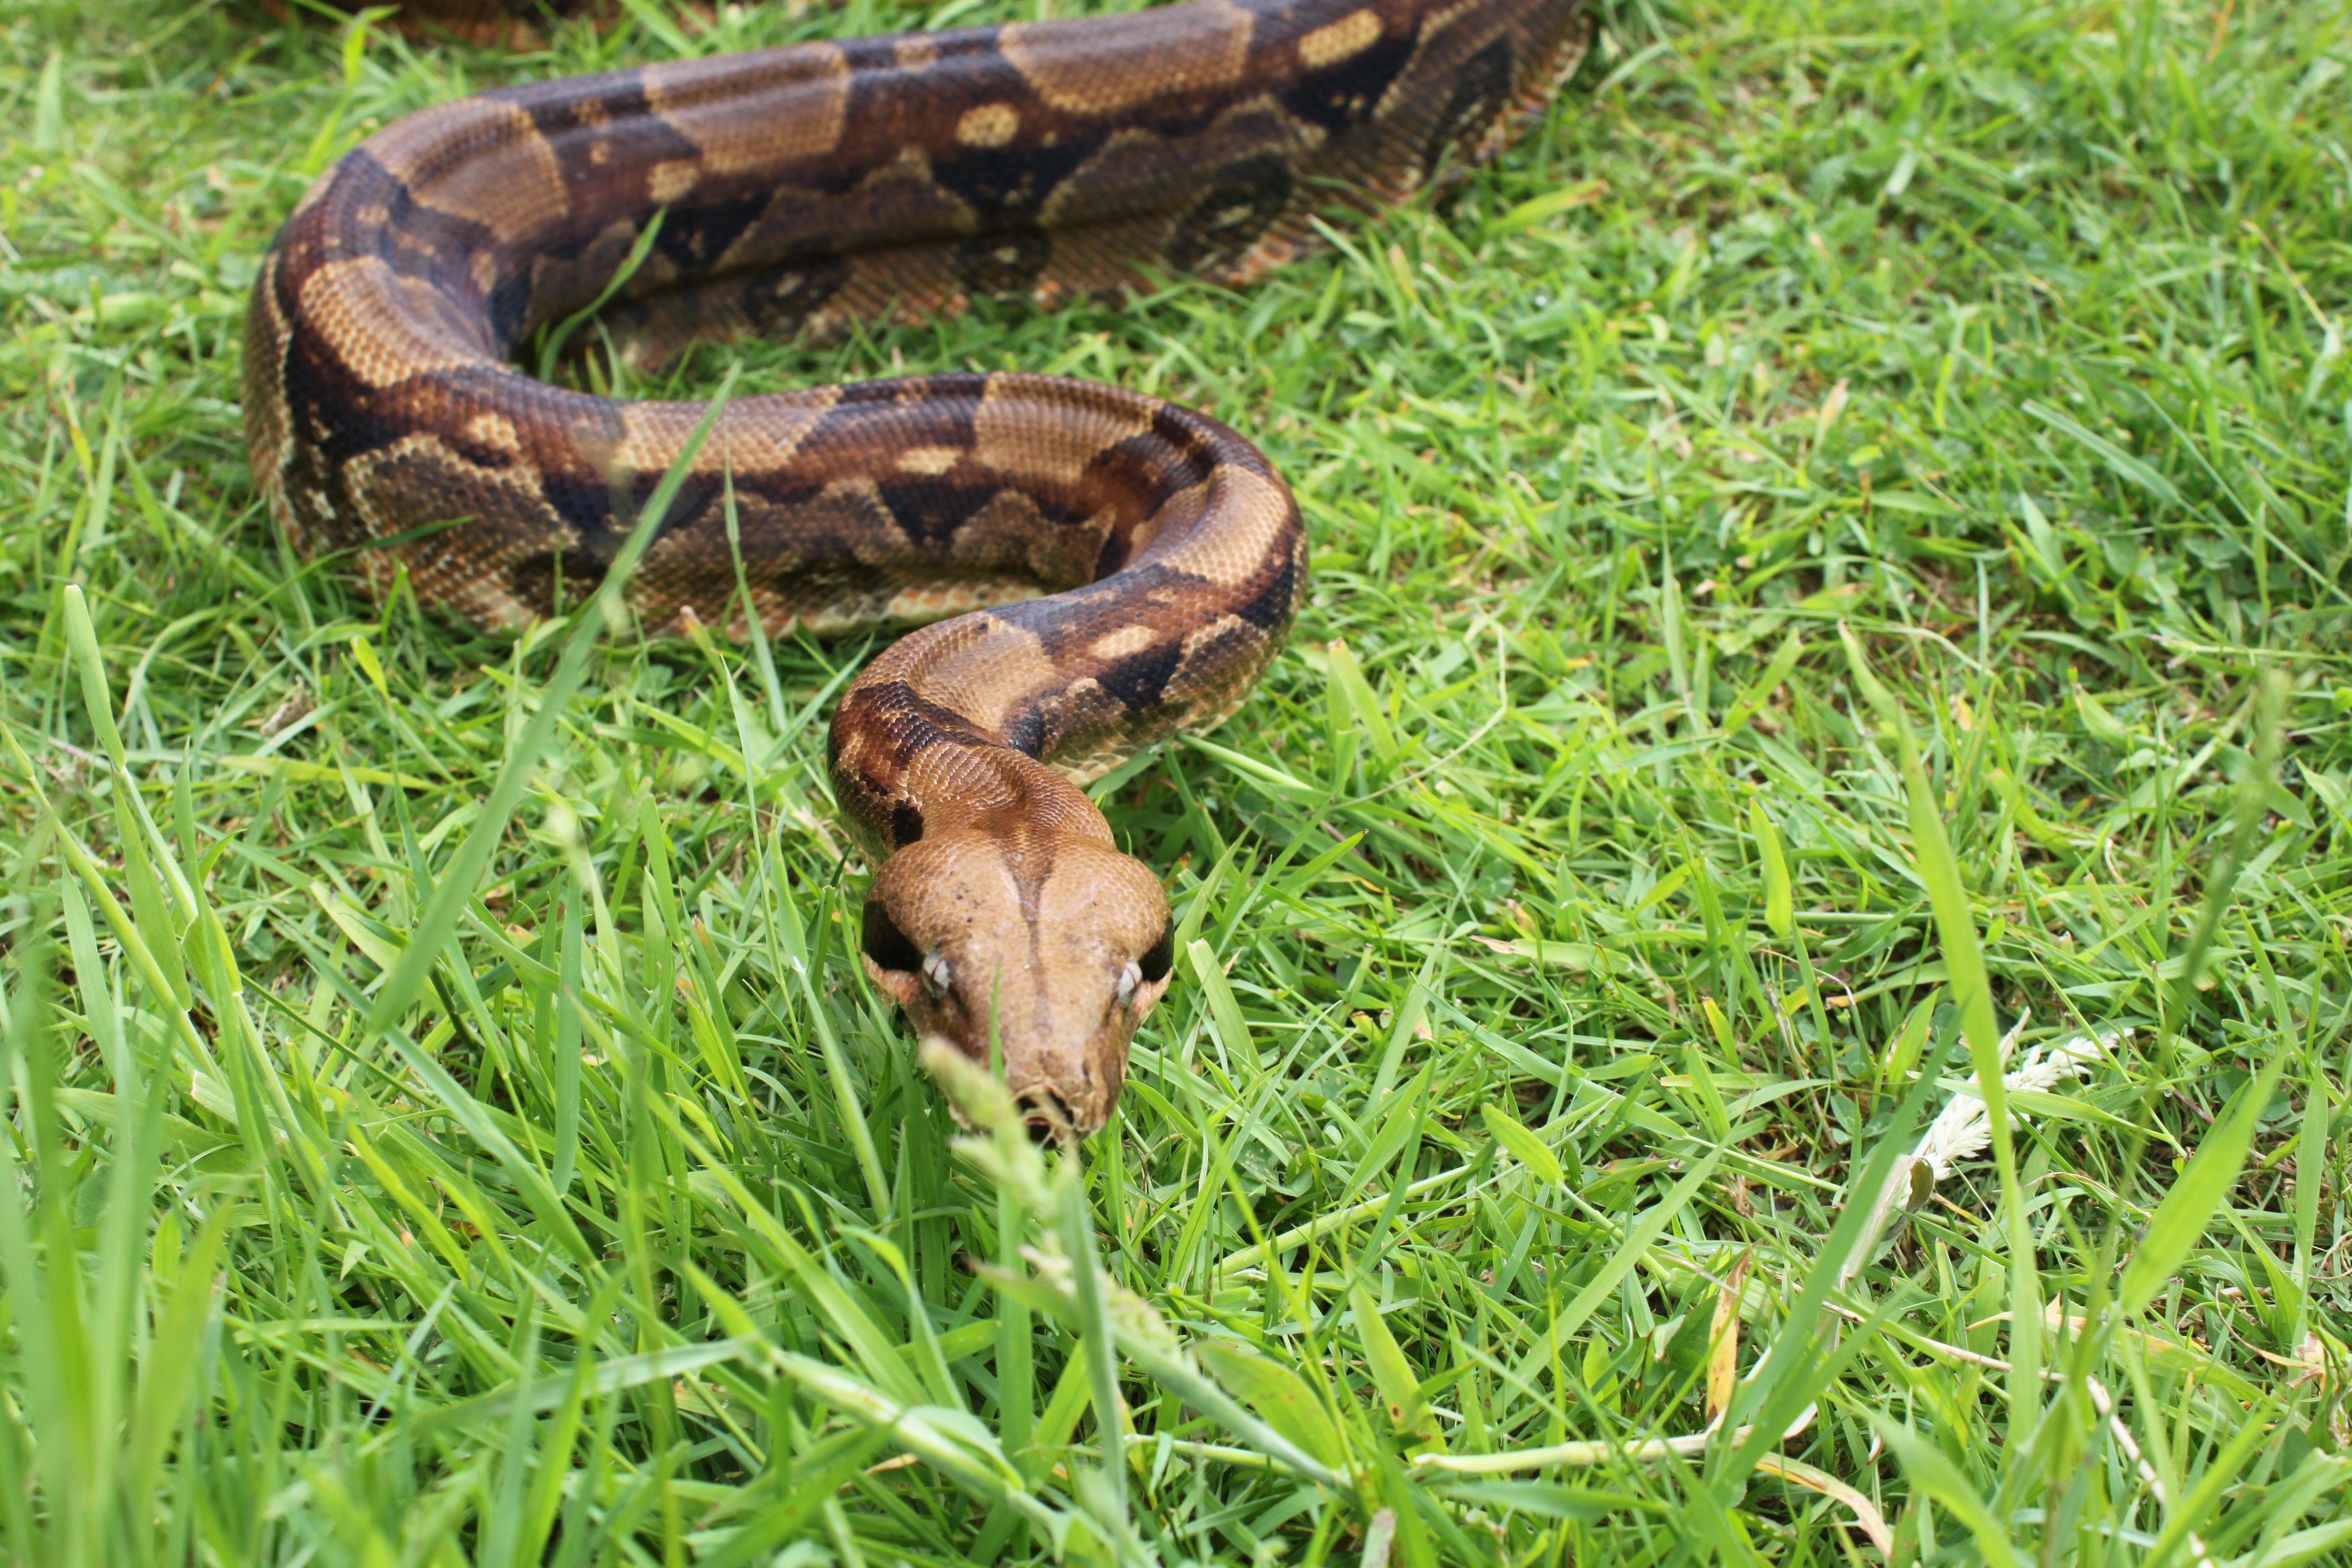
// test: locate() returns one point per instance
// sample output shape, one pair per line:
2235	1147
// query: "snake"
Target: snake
1086	570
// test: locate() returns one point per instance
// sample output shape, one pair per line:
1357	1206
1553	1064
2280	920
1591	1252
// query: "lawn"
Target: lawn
1830	553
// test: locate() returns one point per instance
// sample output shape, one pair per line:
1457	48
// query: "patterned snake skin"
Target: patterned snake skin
804	189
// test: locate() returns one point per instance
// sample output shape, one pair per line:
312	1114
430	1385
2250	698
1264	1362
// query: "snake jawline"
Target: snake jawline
805	189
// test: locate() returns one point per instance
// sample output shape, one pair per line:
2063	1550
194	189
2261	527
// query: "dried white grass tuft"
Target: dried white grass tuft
1961	1130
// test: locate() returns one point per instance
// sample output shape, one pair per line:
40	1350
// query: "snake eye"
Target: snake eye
1153	964
886	944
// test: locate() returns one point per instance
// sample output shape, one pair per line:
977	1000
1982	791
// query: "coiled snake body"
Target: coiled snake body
805	188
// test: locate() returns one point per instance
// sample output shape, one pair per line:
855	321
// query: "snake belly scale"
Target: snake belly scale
804	189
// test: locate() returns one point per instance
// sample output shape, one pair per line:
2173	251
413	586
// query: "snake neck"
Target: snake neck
906	770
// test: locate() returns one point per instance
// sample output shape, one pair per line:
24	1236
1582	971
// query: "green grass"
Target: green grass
1559	955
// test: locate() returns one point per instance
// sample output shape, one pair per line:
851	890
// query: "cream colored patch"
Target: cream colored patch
1241	526
928	459
1029	436
486	271
916	52
1122	642
1098	66
754	112
989	125
672	179
480	159
1343	39
495	431
366	317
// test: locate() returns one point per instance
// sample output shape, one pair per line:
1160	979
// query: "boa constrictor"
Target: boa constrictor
805	188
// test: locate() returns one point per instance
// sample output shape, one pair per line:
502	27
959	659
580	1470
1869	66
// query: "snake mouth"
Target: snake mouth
1047	1118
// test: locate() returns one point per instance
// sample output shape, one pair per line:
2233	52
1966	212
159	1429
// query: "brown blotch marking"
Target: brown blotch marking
750	113
1160	54
756	435
479	159
1025	432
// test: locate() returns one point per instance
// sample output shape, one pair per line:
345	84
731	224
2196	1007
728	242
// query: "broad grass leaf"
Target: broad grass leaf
1622	1261
1392	1375
1354	693
1780	901
1936	1476
2303	1545
2181	1219
2124	466
1279	1396
1522	1144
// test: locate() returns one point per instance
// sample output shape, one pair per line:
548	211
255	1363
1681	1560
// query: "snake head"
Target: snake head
1058	941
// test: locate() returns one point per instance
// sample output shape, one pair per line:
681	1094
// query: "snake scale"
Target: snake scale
804	189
